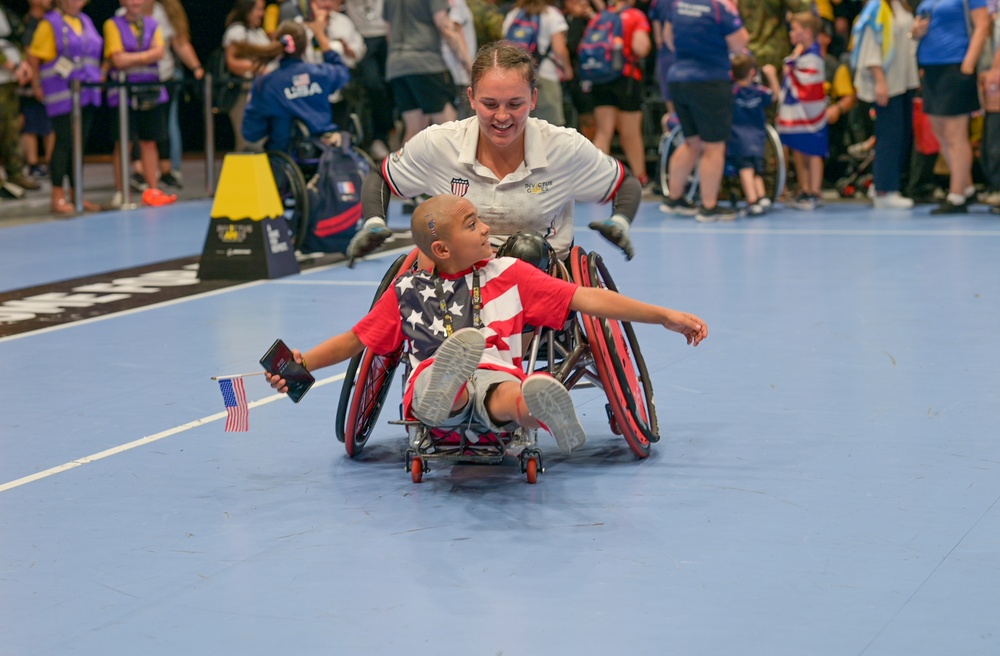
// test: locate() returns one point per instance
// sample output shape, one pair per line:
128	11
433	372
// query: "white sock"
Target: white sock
970	191
956	199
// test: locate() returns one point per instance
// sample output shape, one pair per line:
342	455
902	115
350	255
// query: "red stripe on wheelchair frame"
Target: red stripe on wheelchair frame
339	223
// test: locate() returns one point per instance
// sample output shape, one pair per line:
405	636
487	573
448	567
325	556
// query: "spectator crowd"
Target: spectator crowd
899	103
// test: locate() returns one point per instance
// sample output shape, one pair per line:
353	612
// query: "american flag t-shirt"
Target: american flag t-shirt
237	411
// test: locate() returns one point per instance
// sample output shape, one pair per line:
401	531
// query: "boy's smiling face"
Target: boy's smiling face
448	228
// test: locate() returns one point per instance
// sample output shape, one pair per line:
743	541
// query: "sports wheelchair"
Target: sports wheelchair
775	169
586	350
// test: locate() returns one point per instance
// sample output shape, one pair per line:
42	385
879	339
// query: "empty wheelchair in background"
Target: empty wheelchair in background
599	351
775	169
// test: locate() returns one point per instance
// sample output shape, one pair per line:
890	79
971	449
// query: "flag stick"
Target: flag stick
256	373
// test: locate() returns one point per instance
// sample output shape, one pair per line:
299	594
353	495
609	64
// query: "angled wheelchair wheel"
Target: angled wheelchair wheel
293	193
669	143
775	167
619	363
368	379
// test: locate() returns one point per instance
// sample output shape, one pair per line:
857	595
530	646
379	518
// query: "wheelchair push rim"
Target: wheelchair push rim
368	378
619	363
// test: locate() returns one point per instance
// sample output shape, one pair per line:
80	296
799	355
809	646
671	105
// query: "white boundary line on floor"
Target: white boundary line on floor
149	439
73	464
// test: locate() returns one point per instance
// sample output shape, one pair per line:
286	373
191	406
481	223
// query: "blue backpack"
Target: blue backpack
601	51
335	198
524	32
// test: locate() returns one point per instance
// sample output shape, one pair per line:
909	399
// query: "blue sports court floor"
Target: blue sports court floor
827	483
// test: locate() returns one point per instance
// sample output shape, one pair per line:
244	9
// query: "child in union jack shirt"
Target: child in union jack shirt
463	323
801	120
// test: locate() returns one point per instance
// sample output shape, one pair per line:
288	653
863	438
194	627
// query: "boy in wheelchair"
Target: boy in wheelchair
463	324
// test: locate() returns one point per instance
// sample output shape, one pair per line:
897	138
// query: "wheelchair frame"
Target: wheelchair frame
600	351
775	168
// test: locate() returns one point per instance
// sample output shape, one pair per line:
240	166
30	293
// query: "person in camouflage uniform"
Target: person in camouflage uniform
765	22
14	72
488	20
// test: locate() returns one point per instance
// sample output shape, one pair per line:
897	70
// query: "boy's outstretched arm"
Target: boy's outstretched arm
336	349
612	305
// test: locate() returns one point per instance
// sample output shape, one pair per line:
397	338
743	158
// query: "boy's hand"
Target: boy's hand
276	381
769	70
693	328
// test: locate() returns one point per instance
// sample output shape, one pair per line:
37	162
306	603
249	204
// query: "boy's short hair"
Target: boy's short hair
742	65
808	20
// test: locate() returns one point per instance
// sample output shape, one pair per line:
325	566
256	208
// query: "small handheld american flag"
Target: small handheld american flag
235	397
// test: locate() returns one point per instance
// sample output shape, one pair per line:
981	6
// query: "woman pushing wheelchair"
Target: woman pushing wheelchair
521	172
463	320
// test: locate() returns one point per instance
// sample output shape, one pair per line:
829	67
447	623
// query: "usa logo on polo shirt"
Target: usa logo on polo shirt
459	187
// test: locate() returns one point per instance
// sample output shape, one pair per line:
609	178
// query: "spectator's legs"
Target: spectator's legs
414	121
682	163
748	180
449	113
892	151
953	134
174	129
710	169
630	134
606	118
371	73
236	118
991	150
150	162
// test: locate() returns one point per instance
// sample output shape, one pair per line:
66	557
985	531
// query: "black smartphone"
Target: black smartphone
279	360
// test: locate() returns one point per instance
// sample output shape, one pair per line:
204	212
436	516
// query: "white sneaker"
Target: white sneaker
765	202
550	403
117	200
892	200
454	363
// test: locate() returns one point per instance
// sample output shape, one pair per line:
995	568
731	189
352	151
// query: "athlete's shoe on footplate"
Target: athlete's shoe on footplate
550	404
454	363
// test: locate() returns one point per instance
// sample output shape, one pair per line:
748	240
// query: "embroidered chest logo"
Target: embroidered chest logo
459	187
537	187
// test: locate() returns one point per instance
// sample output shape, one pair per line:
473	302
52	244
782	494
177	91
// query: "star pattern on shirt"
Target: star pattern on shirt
427	293
415	319
406	282
437	326
456	310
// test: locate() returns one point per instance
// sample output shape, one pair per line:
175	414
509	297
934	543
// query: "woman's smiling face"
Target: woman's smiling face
502	100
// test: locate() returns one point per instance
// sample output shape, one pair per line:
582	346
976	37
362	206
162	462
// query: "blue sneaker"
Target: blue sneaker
367	240
616	235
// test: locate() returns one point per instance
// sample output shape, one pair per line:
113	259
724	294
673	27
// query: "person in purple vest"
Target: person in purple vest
66	47
133	44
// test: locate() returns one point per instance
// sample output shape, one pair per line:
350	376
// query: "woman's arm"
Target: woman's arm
981	25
